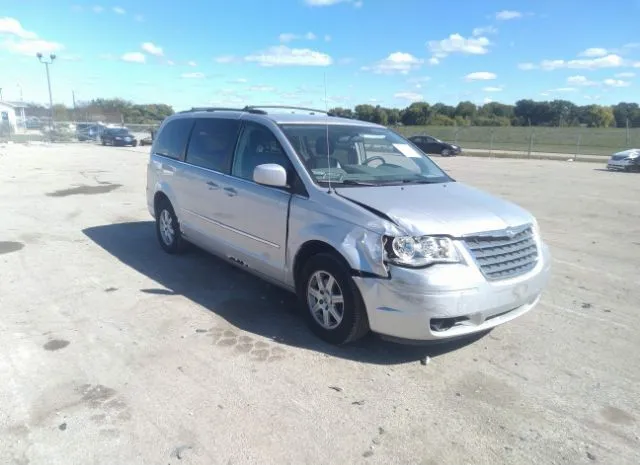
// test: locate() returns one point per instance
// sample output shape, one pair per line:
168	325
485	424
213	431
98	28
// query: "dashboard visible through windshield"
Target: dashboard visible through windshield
354	155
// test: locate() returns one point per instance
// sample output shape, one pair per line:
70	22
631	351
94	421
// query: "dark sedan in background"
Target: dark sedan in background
118	136
431	145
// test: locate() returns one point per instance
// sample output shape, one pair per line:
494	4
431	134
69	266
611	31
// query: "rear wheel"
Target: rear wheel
445	152
331	302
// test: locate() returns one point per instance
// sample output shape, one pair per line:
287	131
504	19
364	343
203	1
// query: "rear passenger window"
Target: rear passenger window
172	140
212	143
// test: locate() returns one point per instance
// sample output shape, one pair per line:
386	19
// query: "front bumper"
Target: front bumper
624	164
124	143
454	296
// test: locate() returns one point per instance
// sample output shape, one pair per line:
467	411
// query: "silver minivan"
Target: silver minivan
365	228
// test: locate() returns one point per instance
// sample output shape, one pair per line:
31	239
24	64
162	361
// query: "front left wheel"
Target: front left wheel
330	300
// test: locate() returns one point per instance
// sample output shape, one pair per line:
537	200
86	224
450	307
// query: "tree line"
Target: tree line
559	113
105	110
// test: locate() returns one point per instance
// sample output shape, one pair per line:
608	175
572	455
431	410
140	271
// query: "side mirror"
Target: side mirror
270	174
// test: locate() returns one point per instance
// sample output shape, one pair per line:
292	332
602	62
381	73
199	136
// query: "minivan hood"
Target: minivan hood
448	208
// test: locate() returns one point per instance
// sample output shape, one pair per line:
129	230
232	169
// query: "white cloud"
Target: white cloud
138	18
262	88
580	81
487	100
355	3
192	63
327	38
480	76
562	90
625	75
12	26
550	65
192	75
527	66
455	43
152	49
289	37
170	62
506	15
281	55
419	79
636	64
493	89
616	83
31	47
434	61
608	61
594	52
409	96
481	31
98	9
119	10
239	81
395	63
226	59
133	57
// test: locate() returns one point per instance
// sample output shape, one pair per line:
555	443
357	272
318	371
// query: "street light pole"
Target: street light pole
46	64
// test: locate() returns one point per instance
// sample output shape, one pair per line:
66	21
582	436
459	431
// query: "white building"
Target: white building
8	115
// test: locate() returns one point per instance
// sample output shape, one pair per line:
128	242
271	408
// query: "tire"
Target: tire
172	243
445	152
353	323
134	144
103	142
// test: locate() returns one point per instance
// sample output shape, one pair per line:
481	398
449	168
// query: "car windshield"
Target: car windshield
119	132
354	155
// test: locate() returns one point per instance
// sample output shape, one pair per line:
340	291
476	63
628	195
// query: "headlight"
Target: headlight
419	251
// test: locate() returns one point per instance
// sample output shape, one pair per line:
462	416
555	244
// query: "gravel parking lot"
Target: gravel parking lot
113	352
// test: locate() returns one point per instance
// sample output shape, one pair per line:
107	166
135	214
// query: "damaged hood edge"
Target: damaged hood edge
452	208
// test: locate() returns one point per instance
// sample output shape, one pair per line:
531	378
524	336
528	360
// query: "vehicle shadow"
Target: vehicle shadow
243	300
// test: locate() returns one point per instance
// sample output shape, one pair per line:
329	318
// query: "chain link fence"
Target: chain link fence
574	141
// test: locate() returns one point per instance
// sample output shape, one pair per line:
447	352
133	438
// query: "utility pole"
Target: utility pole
46	64
73	96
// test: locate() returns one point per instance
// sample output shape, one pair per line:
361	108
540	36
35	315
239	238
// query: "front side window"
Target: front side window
257	145
172	140
212	142
360	155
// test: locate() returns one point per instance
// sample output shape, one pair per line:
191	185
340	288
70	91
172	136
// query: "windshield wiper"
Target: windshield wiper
353	182
419	181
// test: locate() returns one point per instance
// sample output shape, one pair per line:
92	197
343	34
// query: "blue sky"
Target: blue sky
383	52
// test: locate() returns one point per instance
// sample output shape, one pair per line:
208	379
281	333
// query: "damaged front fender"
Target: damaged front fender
359	244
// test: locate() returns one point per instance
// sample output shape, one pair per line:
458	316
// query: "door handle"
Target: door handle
231	192
212	185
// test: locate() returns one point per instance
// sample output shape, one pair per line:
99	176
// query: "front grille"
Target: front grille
500	256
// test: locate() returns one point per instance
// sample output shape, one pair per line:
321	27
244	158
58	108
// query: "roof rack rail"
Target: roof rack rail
257	109
211	109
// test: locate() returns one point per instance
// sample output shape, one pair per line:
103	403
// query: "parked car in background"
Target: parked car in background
118	136
627	160
369	232
431	145
149	139
89	131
